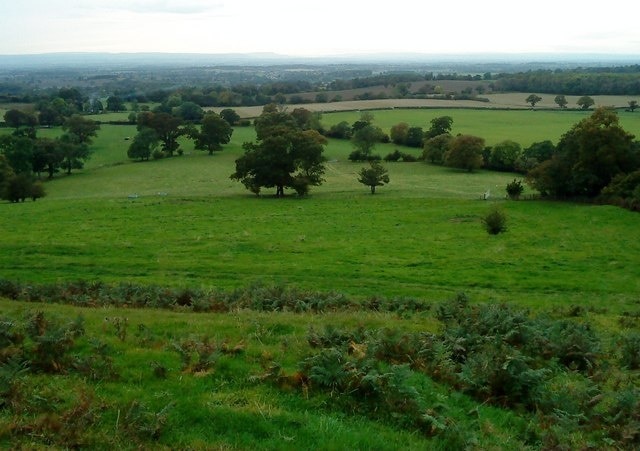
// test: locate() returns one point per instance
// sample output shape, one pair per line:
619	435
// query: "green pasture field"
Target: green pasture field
182	223
522	126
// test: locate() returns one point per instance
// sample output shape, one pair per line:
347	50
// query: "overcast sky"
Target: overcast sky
324	27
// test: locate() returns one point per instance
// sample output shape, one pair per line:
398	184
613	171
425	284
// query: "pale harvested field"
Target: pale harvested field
497	101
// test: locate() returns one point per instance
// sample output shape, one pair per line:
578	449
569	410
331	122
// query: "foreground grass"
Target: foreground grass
440	376
141	392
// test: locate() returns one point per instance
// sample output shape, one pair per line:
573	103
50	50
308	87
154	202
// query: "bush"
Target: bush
358	155
630	350
396	155
514	189
495	222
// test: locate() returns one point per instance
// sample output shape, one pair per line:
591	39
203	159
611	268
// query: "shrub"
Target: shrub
495	222
630	350
514	189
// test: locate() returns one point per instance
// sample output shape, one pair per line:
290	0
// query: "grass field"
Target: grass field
419	236
166	379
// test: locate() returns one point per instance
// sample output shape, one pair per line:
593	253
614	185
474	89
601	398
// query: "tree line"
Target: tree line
603	81
595	159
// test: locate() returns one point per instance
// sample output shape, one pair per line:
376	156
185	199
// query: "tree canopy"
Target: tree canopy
465	152
373	176
214	132
532	99
168	128
284	156
439	126
587	157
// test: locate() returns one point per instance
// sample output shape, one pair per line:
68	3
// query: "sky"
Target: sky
321	28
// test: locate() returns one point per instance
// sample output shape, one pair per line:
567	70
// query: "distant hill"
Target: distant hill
120	60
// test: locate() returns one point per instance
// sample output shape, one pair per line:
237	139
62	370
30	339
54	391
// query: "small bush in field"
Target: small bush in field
495	221
514	189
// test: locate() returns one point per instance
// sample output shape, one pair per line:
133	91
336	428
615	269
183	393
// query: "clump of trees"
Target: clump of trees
287	154
587	158
25	156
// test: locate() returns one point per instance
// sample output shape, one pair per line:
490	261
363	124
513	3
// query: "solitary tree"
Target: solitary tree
585	102
561	101
188	111
533	99
284	156
633	104
375	175
214	132
465	152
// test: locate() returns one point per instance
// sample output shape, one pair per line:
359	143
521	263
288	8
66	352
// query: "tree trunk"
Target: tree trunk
373	189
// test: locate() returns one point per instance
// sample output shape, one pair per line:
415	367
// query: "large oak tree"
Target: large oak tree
284	156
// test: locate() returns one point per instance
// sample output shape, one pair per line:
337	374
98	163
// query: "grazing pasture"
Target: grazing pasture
343	320
182	221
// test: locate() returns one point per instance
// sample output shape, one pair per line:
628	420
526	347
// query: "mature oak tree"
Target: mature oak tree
143	144
284	156
214	132
230	116
533	99
439	125
561	101
81	130
168	128
585	102
47	156
587	158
